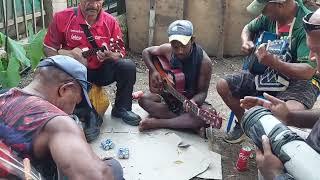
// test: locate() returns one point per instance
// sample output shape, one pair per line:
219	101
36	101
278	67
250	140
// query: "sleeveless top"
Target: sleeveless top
191	69
22	117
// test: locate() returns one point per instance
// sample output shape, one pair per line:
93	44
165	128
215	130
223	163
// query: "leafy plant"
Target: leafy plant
19	57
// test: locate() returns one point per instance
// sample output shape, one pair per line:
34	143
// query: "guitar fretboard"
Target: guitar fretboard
194	108
92	52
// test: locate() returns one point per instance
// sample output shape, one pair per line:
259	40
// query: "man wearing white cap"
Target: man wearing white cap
184	54
284	18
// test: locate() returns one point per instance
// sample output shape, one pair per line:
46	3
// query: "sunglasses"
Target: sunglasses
309	26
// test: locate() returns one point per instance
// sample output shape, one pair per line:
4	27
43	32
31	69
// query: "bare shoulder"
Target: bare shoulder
206	61
62	124
162	50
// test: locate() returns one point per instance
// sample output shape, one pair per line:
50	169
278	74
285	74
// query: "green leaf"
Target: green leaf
35	48
12	73
17	50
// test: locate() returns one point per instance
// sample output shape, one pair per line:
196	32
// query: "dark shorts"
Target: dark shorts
303	91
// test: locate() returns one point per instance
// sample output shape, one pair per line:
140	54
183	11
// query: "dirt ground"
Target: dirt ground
221	68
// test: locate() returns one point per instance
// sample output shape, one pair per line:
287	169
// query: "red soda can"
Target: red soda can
242	162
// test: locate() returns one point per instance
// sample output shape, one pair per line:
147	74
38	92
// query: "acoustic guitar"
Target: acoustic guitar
174	81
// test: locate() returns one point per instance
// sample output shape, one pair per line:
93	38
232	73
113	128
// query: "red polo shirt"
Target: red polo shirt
65	32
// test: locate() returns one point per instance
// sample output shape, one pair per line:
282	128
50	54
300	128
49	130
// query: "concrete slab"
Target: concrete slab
155	154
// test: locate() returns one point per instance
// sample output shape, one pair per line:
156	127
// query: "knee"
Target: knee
116	168
295	105
127	65
222	87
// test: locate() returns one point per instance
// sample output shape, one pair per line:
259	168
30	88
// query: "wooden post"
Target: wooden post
15	19
34	18
221	30
25	18
152	22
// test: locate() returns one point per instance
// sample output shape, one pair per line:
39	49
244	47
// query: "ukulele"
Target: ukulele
173	80
113	46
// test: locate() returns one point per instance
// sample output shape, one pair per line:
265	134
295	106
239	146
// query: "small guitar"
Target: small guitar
113	46
174	83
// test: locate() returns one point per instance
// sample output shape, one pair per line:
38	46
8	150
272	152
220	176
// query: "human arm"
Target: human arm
147	54
116	50
302	118
300	68
71	152
53	40
203	80
292	70
246	38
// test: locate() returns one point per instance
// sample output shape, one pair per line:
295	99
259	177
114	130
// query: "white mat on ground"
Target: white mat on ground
156	155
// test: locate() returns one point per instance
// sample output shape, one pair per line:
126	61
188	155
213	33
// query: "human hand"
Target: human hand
264	57
247	47
106	55
269	165
77	54
278	107
187	105
156	83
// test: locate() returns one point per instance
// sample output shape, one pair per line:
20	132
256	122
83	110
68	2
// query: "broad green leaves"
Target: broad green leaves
20	57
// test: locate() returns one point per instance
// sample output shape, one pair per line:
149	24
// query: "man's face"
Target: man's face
272	11
181	51
70	94
313	42
91	7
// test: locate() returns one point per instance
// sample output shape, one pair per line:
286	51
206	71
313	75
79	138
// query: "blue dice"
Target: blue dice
107	144
123	153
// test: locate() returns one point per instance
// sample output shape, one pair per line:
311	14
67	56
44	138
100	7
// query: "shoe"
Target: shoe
128	117
236	135
92	122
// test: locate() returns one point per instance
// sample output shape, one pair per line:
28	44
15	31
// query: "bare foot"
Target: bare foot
147	123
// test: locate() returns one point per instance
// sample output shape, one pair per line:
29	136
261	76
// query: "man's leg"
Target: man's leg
162	117
152	103
125	76
232	89
123	72
300	95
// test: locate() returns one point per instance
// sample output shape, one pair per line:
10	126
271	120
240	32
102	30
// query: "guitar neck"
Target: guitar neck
92	52
194	108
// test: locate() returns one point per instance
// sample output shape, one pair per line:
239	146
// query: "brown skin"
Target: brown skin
268	164
162	117
77	161
283	14
90	10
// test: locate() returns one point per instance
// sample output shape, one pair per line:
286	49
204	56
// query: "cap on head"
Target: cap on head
257	6
180	30
71	67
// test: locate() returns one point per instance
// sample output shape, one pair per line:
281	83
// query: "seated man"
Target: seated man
35	122
269	165
89	27
285	18
183	53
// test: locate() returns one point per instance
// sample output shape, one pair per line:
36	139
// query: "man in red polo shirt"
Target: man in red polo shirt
68	35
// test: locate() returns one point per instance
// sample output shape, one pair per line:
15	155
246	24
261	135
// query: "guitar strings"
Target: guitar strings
18	162
19	168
